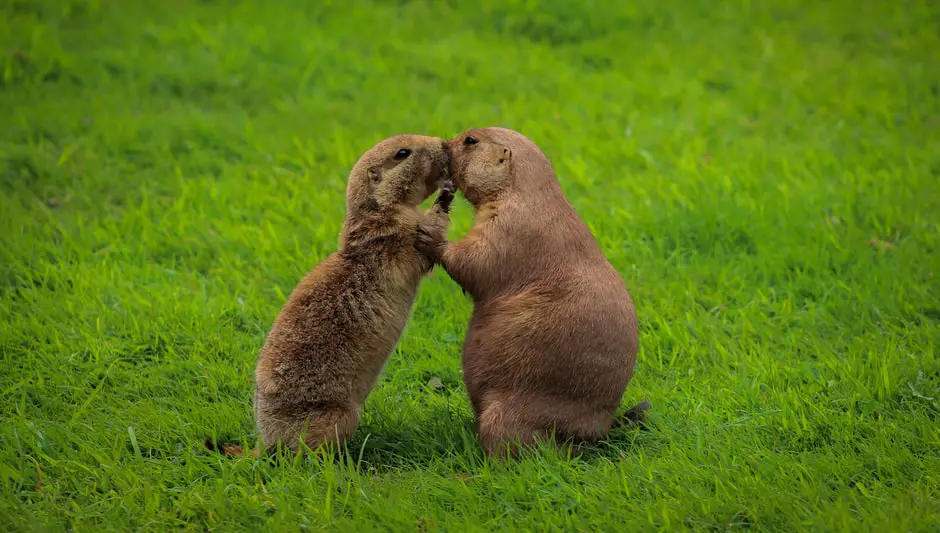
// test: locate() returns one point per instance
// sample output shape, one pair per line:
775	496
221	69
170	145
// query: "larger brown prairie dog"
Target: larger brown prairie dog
334	335
553	336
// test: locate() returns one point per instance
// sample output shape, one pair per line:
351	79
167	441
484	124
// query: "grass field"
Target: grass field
763	174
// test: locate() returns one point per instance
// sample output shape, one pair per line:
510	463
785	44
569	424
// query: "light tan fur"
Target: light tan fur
337	329
553	337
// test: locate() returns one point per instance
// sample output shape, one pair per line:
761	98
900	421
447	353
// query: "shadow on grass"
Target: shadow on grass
384	443
441	435
444	436
447	437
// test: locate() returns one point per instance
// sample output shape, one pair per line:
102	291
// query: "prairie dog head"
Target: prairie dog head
488	162
403	170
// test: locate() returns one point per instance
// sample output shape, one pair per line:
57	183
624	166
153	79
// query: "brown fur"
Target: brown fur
333	337
553	337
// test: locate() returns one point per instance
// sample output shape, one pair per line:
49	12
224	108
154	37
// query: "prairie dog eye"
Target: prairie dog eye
470	140
402	154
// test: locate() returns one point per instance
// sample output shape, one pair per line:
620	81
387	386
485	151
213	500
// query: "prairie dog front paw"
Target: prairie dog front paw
445	196
432	229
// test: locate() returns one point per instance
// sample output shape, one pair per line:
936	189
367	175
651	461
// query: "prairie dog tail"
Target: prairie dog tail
635	416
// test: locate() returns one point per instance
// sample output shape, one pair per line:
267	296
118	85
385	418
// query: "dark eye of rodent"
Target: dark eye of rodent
470	140
402	154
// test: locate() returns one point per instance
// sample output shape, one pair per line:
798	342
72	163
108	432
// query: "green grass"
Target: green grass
763	174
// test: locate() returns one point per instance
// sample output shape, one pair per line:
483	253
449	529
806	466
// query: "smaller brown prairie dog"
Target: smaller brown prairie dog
337	329
553	336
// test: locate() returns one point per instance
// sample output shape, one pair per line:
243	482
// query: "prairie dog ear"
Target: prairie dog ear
507	155
374	175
